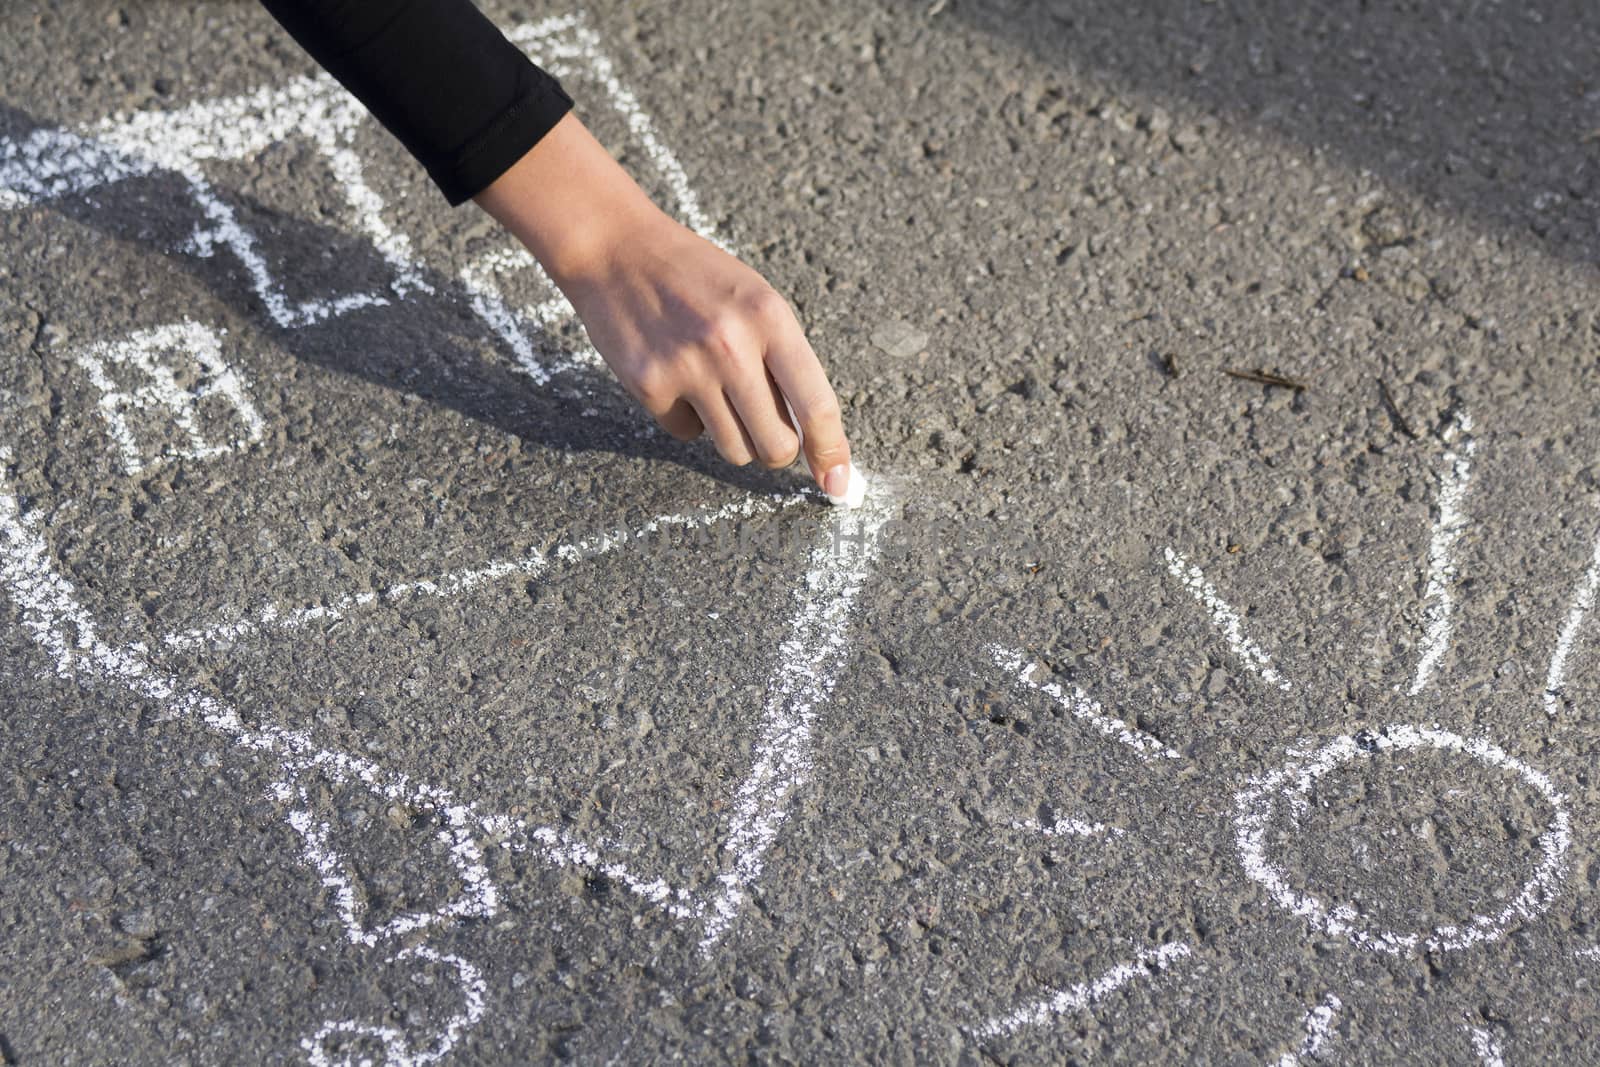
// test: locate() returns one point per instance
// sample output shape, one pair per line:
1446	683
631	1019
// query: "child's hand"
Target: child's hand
699	338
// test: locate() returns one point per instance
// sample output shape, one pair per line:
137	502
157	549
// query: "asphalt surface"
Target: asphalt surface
1211	679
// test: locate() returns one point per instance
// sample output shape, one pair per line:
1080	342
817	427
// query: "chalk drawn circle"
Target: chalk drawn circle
1255	806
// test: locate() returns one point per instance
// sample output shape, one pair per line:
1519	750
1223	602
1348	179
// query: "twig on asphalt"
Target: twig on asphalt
1261	377
1394	410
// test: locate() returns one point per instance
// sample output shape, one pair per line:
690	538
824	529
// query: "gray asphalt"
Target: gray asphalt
1219	687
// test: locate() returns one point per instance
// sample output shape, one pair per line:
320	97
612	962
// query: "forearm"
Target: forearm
438	74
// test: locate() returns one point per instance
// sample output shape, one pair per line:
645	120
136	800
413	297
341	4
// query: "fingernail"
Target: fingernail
837	481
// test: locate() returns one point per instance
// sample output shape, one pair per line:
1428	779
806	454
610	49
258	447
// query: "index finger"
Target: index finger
813	408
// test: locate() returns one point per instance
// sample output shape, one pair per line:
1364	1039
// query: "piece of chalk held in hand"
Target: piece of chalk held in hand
855	487
855	490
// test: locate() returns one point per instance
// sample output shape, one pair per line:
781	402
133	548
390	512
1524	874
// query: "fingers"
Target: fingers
799	374
759	405
681	421
725	429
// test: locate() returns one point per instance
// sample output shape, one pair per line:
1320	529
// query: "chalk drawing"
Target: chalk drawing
809	661
1486	1046
1255	809
1582	604
808	666
1319	1028
1228	621
1068	828
140	352
48	163
536	564
52	163
1449	521
1281	797
397	1047
1079	705
1078	997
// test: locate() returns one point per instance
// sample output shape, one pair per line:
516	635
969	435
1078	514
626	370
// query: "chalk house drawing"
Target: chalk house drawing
47	164
212	390
1279	796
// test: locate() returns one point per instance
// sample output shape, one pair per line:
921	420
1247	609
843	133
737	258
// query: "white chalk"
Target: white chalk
855	487
855	491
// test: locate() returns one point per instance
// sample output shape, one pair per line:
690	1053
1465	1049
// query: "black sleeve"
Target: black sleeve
461	98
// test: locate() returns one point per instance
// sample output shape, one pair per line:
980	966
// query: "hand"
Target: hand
700	339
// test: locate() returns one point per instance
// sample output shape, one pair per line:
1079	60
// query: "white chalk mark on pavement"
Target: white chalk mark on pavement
48	163
140	353
1487	1048
1068	828
397	1048
1449	521
53	616
1227	621
810	660
1255	808
1080	705
1582	604
535	564
1079	997
1319	1028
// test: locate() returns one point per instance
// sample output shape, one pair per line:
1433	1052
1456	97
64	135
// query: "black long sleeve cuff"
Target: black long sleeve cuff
439	76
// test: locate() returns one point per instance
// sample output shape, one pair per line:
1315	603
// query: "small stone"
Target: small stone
1157	121
1186	139
139	924
899	339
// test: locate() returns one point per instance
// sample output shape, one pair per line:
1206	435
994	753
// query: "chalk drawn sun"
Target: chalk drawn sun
1290	826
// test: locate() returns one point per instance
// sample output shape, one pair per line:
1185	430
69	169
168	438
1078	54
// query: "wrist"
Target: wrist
570	204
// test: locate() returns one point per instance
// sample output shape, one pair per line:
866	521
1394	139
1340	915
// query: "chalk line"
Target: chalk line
1066	827
1319	1028
53	616
397	1048
809	662
140	350
1486	1046
275	617
1582	604
1255	805
1078	704
50	162
512	325
1081	996
1449	521
1224	618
